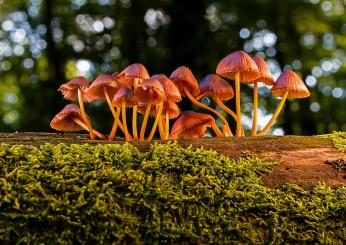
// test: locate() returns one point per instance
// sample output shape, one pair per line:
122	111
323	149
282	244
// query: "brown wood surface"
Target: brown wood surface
301	159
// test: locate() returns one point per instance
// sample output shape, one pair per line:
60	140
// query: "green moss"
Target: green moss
116	194
338	139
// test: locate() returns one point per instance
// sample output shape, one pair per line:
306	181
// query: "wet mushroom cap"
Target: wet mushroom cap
95	91
289	80
213	85
70	89
170	107
265	75
183	77
136	70
191	125
150	90
171	90
125	93
122	79
241	62
63	121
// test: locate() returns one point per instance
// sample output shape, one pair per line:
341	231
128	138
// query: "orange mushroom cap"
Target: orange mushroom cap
172	92
183	77
135	70
191	125
265	75
150	90
95	91
125	93
289	80
170	107
63	121
241	62
70	89
213	85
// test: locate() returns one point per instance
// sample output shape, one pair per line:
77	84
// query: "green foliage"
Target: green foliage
338	138
116	194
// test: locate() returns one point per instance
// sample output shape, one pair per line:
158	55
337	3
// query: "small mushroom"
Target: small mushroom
122	99
133	75
70	119
74	90
214	86
288	85
150	91
104	87
238	66
187	84
266	77
192	125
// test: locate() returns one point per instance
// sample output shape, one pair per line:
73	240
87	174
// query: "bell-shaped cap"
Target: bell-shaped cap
265	75
291	82
63	121
241	62
70	89
172	91
183	77
171	108
136	70
124	94
191	125
150	90
213	85
96	89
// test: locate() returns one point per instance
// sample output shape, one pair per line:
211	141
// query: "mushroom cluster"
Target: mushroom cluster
157	96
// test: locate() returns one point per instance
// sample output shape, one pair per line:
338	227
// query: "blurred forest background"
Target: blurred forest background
44	43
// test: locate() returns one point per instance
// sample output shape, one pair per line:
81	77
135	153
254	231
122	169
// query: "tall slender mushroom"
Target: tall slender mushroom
70	119
75	90
122	99
238	66
265	77
288	85
104	87
217	88
172	96
192	125
150	91
187	84
134	75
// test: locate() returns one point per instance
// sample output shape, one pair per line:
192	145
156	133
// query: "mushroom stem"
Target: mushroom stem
145	120
196	102
275	115
85	119
216	130
237	101
134	111
167	125
161	128
115	125
224	107
116	118
83	125
255	106
158	117
123	114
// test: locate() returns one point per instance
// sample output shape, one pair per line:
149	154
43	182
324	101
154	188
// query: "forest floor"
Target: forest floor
302	160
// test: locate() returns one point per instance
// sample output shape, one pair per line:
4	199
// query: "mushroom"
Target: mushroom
104	87
192	125
133	75
172	96
265	77
70	119
74	90
150	91
214	86
288	85
188	86
122	99
238	66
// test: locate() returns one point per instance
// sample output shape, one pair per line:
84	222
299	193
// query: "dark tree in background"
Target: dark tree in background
44	43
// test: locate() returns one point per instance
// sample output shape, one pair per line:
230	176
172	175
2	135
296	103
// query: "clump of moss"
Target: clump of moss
338	139
116	194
